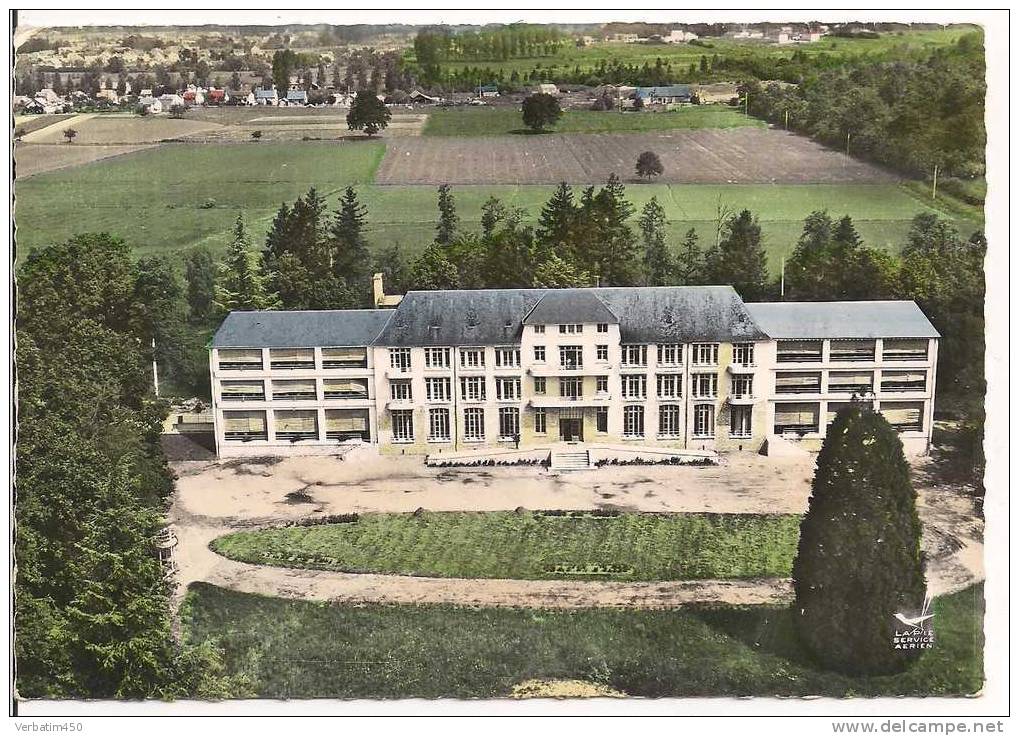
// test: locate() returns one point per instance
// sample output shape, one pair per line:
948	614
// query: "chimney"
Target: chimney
379	296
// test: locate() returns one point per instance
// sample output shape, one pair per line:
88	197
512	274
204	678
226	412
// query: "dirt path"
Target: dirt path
216	497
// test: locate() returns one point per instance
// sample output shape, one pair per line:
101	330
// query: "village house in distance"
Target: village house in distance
691	367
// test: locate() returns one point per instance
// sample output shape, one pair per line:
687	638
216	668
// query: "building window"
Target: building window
438	425
539	329
705	353
296	425
635	386
571	388
743	353
669	386
571	329
294	390
399	359
437	357
292	359
539	385
603	327
507	357
472	388
509	423
472	358
242	391
601	416
740	425
798	351
853	351
905	416
849	382
670	354
539	353
669	416
571	357
400	390
347	424
796	418
474	425
904	380
703	420
833	408
633	421
507	389
403	425
634	355
602	352
900	349
742	387
797	383
540	422
345	388
344	358
437	389
240	360
601	384
244	425
704	385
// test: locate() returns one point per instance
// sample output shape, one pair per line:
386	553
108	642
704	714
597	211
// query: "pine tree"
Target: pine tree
690	264
611	252
859	561
659	269
242	286
558	216
492	213
739	259
446	228
350	258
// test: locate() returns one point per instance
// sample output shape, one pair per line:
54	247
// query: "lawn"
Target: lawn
488	121
299	649
170	198
532	545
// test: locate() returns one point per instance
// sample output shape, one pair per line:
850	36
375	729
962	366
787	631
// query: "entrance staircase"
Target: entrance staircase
571	460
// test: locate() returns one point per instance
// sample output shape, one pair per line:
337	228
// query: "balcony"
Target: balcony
741	368
552	402
742	398
401	371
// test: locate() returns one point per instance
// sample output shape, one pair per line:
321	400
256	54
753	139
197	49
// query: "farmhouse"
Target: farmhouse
488	90
682	367
673	93
266	96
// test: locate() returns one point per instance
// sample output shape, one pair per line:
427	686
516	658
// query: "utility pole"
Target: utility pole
847	144
787	120
782	280
934	186
155	370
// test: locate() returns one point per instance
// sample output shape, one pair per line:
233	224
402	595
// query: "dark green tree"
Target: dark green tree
859	561
690	262
350	260
283	63
200	275
610	248
739	259
492	213
448	223
433	270
541	110
649	165
368	113
557	220
241	284
659	268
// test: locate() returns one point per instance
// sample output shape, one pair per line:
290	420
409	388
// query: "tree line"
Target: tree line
91	602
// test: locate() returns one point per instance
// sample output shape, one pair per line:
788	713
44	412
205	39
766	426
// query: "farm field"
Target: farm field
175	196
38	158
747	155
681	55
300	649
107	129
504	120
533	545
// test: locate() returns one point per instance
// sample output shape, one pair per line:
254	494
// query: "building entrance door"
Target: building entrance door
571	430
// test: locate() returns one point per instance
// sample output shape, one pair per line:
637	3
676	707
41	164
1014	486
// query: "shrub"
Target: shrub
859	559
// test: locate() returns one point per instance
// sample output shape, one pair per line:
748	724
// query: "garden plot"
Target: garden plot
704	156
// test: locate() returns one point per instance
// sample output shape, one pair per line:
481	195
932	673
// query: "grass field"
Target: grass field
889	45
488	121
533	546
298	649
173	197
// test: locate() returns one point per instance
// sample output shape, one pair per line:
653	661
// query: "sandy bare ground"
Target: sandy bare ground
34	159
111	129
705	156
216	497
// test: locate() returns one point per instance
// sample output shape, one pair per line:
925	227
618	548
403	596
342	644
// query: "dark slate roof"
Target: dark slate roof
644	314
297	329
818	320
565	306
672	90
681	314
459	317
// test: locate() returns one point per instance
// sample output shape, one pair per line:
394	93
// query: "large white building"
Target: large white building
686	367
